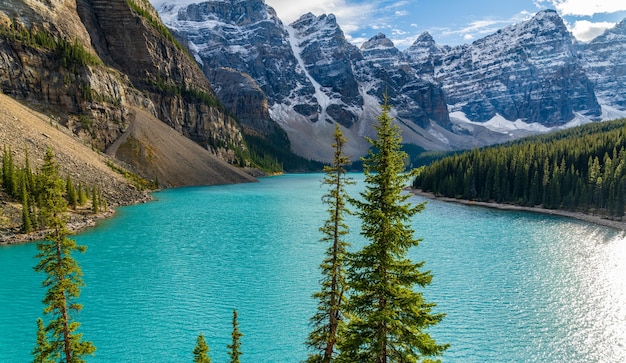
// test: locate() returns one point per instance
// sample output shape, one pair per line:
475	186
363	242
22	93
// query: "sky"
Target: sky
450	22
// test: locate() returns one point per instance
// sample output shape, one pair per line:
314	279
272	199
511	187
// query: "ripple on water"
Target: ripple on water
516	287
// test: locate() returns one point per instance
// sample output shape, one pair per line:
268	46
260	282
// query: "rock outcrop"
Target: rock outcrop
604	61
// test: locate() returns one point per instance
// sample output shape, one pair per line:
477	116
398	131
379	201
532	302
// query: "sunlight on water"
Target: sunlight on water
516	287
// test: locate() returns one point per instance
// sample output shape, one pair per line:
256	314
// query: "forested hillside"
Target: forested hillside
580	169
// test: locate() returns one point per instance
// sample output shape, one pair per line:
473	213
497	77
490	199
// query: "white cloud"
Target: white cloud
585	30
587	7
484	27
347	14
402	13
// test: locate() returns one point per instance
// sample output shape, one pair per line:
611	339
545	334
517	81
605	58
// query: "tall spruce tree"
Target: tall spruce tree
329	317
234	349
388	317
63	279
201	351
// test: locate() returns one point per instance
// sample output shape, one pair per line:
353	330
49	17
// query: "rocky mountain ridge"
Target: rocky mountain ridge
527	78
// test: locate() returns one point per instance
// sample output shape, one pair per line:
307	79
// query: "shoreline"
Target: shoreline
595	219
77	222
75	225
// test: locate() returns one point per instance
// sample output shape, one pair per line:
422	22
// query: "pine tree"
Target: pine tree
70	193
27	224
63	279
388	317
82	194
328	318
235	348
42	352
201	351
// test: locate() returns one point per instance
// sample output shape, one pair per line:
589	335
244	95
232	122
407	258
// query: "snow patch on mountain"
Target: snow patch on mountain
322	98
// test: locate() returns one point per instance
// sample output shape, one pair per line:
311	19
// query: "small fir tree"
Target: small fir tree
388	317
327	321
95	202
201	351
42	350
70	193
234	349
63	275
27	224
82	194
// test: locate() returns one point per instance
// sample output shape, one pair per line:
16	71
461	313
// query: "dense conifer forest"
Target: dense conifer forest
581	169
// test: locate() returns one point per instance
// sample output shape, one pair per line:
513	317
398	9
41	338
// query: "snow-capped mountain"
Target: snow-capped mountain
529	71
524	79
311	76
604	61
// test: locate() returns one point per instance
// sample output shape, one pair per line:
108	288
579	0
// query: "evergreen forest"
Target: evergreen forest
582	169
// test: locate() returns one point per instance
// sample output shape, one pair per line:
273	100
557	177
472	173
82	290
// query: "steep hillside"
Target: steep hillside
22	129
93	64
182	162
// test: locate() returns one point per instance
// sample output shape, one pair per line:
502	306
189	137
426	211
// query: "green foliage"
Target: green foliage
42	350
388	317
71	54
273	154
63	275
71	195
189	93
27	224
30	191
139	182
580	169
235	347
201	351
328	320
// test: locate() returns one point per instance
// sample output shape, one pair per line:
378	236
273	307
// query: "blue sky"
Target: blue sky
451	22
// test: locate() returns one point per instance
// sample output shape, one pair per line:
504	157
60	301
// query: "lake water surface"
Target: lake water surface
516	287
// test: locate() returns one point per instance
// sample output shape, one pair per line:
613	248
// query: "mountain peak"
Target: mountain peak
378	41
425	37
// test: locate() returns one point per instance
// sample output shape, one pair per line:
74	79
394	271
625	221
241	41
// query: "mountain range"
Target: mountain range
527	78
243	88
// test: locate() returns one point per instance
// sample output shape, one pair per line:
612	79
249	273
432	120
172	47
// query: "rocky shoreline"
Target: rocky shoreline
596	219
77	222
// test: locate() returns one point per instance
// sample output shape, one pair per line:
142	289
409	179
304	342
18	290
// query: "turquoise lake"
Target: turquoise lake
516	287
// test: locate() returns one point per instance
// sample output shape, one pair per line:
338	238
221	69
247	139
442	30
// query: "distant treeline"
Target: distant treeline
580	169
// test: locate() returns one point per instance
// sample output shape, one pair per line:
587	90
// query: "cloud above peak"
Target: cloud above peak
585	7
349	14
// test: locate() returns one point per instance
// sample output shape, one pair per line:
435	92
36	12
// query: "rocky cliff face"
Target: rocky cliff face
89	62
529	72
604	61
417	99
